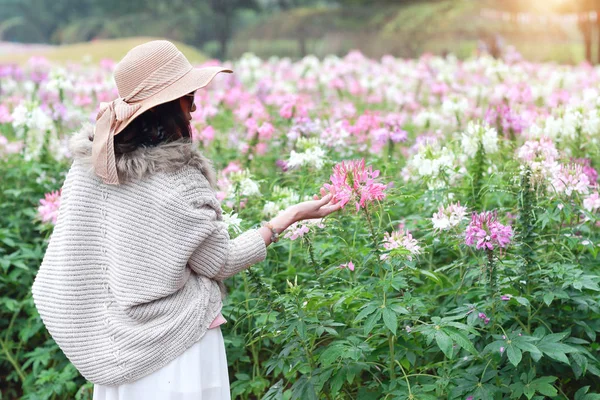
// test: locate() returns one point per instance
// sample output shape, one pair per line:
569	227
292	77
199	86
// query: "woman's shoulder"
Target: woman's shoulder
180	159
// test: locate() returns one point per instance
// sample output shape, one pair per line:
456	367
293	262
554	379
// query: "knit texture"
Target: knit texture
131	275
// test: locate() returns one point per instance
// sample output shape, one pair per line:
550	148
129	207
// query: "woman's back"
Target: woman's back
115	289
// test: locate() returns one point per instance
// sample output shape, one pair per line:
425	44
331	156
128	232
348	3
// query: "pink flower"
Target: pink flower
590	171
349	265
571	178
282	164
400	240
448	217
501	349
49	205
251	126
592	202
505	119
351	180
506	297
484	317
485	231
538	150
206	135
287	110
266	131
233	166
5	115
301	228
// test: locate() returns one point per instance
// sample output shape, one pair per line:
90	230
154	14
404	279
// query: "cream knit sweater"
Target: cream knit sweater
131	276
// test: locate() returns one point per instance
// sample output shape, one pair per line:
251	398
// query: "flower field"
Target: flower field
463	265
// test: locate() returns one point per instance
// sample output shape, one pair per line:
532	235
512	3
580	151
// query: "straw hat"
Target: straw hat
150	74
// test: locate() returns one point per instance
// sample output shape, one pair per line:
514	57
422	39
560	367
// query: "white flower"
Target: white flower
29	115
246	186
591	123
312	154
233	221
312	157
479	133
448	217
249	187
281	198
270	208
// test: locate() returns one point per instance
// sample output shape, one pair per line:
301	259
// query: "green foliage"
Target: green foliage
31	364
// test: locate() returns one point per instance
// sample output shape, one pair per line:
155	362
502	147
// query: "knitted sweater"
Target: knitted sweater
131	275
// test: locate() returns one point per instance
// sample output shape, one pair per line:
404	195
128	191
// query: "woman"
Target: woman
130	287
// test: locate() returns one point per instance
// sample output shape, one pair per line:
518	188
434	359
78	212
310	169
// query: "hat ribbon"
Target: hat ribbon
109	117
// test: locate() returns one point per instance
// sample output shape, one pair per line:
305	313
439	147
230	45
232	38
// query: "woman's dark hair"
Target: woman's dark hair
166	123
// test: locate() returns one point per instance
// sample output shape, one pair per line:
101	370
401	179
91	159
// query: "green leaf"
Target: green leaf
544	386
398	309
444	343
371	321
522	301
331	354
390	320
514	355
430	275
555	350
526	346
548	297
462	340
580	394
367	310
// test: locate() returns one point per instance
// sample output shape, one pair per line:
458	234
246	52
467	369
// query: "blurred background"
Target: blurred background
564	31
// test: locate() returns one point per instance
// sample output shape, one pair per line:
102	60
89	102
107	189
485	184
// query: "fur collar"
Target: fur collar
144	161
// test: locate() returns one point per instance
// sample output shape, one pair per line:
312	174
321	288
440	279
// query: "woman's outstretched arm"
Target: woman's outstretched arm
317	208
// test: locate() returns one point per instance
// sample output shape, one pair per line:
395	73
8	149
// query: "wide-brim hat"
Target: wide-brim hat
150	74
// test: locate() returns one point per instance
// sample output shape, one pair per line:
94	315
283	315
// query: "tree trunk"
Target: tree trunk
224	34
595	29
586	30
302	40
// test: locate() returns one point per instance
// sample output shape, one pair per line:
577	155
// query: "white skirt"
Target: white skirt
199	373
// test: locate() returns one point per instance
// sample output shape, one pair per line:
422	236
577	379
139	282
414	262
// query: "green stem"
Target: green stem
12	361
311	254
492	283
391	343
256	365
251	150
410	395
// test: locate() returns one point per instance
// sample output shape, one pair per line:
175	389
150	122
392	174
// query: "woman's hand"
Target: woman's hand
317	208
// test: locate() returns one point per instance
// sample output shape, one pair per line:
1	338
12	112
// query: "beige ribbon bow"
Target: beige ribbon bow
110	117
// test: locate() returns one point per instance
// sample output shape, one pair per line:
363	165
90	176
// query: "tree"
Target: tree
224	13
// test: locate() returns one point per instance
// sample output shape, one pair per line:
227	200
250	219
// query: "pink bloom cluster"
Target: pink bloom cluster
485	318
349	265
301	228
590	171
485	232
571	178
505	119
400	239
7	147
592	202
352	180
448	217
49	205
542	150
5	116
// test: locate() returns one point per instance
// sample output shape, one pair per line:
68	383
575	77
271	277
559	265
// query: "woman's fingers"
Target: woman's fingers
325	200
328	209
